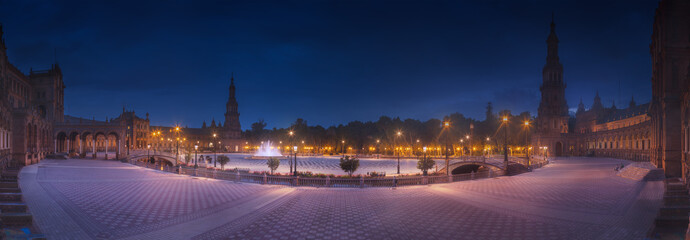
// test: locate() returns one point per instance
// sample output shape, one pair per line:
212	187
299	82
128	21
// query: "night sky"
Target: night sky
328	62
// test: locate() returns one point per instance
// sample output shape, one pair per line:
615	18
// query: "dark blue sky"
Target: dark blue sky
328	62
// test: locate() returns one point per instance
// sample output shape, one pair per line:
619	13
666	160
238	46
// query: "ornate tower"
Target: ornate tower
232	128
552	120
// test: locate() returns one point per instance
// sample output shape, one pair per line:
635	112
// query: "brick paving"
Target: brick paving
570	199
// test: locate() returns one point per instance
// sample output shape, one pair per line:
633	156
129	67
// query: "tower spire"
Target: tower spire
632	102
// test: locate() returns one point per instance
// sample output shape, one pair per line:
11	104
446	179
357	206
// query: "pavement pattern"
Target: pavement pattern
574	198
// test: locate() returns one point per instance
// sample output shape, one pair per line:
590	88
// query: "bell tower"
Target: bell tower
552	120
231	125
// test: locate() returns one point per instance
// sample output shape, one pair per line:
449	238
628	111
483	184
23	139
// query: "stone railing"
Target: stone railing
5	160
636	155
339	182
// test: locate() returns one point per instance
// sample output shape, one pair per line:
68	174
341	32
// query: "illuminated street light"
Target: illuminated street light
214	152
295	149
397	150
196	147
505	142
527	144
446	126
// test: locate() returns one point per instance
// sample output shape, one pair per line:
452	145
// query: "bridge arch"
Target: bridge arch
167	160
472	166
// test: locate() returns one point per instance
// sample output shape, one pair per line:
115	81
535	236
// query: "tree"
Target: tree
187	157
349	164
222	159
273	164
425	163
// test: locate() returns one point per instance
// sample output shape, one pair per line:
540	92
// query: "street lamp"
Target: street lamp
148	156
177	145
470	143
399	134
343	142
446	127
527	143
214	152
295	150
196	147
505	142
424	154
291	133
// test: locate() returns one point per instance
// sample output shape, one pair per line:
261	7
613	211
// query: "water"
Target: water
267	150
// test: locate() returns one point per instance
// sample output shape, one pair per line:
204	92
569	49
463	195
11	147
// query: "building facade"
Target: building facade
670	53
219	137
138	129
29	104
598	131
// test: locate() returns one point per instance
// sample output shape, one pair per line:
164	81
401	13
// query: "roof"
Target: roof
618	114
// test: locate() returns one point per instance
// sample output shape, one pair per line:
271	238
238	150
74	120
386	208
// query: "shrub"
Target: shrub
222	159
349	164
273	164
425	163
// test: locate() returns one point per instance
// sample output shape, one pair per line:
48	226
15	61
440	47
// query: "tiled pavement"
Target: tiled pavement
571	199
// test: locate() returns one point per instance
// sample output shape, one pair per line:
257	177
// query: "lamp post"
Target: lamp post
488	142
424	156
214	152
469	142
177	147
505	143
527	142
291	133
295	150
196	147
446	127
399	134
343	142
148	156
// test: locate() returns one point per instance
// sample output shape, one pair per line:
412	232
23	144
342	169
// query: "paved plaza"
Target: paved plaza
575	198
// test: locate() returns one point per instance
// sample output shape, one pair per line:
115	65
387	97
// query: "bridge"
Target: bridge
493	163
473	166
163	157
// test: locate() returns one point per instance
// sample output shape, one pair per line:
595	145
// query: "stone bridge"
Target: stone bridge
473	166
164	158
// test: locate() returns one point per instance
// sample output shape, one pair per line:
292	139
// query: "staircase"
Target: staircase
15	221
672	220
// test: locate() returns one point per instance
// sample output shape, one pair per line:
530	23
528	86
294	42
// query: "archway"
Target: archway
61	142
469	168
99	141
73	143
559	149
113	144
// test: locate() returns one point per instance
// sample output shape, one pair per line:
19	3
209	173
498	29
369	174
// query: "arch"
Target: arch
469	168
73	142
559	149
60	142
464	167
169	161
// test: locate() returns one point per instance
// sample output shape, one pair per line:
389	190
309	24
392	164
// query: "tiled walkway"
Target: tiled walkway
570	199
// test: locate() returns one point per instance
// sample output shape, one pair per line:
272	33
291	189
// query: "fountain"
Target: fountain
267	151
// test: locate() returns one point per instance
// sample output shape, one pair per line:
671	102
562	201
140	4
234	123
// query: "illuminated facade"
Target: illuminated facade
29	105
670	53
225	137
597	131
